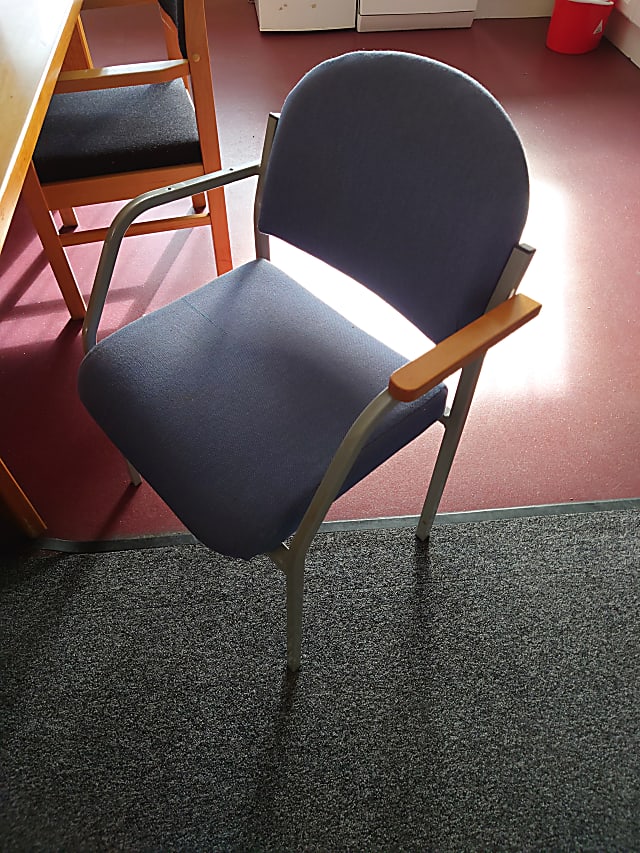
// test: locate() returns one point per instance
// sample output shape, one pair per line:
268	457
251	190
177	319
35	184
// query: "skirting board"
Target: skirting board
514	8
421	21
625	35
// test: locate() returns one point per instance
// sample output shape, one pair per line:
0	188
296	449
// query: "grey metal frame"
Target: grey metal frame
455	420
291	558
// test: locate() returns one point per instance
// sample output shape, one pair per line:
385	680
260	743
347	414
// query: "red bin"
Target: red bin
576	26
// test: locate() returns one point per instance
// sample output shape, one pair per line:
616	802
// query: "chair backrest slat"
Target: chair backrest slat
175	10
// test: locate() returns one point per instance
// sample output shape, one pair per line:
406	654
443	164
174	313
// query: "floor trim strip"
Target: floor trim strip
161	541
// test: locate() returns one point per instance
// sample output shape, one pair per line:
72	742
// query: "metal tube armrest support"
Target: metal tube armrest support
126	216
414	379
335	475
408	383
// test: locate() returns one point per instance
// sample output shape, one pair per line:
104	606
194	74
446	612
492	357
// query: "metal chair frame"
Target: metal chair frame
505	313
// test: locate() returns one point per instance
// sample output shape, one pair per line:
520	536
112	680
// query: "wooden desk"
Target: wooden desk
34	36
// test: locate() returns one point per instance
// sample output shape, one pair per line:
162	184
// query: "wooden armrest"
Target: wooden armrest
414	379
112	76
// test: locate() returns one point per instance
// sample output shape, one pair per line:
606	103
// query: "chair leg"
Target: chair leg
220	230
44	225
295	591
199	202
450	441
438	481
68	216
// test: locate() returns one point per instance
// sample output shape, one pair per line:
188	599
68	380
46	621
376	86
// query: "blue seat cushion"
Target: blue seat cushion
89	134
232	400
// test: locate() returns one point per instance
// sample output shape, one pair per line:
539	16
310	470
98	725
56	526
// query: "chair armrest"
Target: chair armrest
406	384
414	379
131	211
112	76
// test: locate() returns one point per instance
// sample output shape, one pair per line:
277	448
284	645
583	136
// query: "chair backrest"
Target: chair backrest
405	174
189	17
175	10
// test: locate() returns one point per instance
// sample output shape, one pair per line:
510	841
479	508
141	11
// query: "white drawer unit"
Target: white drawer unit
295	15
378	15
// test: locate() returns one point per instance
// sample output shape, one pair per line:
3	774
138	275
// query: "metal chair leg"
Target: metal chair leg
295	594
454	425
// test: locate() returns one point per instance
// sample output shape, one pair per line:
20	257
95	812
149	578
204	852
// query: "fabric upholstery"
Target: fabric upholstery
405	174
232	401
117	130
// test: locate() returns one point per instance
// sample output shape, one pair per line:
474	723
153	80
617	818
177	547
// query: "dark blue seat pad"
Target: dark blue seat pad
232	401
88	134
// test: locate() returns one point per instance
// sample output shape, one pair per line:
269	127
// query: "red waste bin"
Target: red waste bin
576	26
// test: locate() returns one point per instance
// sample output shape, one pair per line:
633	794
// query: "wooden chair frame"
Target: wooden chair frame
79	75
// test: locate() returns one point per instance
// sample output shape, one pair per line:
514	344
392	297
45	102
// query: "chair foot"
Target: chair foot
423	531
295	588
293	664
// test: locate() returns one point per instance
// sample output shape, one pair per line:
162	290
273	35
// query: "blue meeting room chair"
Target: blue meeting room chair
249	404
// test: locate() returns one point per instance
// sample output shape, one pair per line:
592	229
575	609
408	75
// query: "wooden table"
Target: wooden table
34	37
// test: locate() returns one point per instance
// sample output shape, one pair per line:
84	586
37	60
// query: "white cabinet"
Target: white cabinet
290	15
411	7
377	15
368	15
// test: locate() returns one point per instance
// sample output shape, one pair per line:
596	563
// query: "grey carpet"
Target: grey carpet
483	696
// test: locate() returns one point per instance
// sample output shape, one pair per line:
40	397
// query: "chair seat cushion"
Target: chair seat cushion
232	401
88	134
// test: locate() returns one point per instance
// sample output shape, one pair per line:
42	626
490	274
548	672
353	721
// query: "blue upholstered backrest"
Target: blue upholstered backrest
405	174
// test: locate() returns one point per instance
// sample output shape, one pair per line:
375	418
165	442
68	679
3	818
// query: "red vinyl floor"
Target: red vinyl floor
557	413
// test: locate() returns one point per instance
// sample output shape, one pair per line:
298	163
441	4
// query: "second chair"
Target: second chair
115	132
